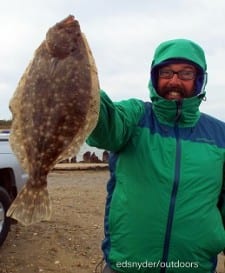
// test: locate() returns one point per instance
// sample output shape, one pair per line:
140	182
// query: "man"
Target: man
165	206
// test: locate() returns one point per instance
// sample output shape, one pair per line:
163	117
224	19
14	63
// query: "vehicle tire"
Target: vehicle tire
5	202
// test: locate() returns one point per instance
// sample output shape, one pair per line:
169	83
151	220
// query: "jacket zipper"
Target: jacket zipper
174	190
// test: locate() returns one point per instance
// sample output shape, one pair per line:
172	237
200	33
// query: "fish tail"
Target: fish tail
31	205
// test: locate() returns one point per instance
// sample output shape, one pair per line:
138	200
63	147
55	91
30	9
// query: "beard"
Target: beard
168	89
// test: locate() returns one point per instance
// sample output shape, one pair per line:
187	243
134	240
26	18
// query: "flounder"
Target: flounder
55	107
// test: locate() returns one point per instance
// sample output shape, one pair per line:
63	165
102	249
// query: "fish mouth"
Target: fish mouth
70	19
67	21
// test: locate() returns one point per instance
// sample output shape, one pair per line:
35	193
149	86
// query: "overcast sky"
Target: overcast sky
122	34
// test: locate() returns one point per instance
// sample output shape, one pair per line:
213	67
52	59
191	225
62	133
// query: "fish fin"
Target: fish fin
31	205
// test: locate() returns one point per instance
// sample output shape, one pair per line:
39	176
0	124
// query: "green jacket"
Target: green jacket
165	202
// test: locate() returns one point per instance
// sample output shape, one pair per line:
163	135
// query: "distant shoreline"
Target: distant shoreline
80	166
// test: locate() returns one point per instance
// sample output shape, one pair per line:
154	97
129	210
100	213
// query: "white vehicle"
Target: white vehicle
12	178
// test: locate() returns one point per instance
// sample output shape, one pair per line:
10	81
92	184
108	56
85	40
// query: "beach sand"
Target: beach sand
71	241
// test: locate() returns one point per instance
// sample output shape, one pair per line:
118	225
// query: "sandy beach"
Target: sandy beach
71	241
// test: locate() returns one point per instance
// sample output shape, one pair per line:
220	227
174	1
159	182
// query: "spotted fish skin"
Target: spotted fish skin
55	107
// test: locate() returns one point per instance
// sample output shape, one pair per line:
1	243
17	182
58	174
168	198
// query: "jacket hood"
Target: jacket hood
180	48
175	51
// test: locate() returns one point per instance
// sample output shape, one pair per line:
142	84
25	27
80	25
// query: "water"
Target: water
84	148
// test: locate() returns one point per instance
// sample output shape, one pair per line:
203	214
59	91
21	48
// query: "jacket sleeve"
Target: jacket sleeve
116	122
221	202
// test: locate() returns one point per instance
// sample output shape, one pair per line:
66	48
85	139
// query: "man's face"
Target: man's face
173	86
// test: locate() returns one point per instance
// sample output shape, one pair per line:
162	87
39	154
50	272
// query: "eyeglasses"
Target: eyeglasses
182	74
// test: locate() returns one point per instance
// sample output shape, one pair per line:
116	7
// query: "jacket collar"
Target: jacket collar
185	112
